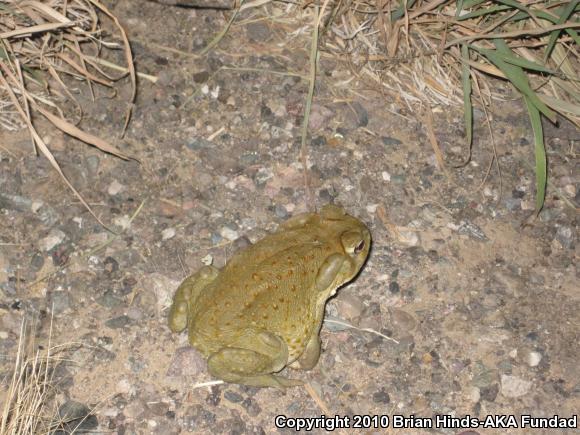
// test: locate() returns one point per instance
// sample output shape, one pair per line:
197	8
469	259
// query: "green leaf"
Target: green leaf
515	75
540	151
467	106
566	12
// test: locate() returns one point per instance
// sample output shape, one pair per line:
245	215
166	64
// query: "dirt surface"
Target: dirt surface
482	301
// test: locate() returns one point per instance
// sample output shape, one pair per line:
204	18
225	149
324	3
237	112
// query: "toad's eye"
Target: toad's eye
358	248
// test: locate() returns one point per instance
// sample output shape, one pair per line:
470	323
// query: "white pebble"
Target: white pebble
54	238
123	386
512	386
36	205
115	188
229	234
371	208
207	260
534	358
386	176
168	233
123	222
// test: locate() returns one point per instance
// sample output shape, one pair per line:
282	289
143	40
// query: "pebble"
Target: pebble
533	358
229	234
59	302
124	387
372	208
349	306
390	141
186	361
55	237
513	386
123	222
409	238
258	32
386	176
473	394
118	322
401	320
162	288
565	236
115	188
168	233
93	165
76	416
36	205
281	211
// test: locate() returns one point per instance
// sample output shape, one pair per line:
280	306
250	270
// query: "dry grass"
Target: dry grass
29	404
45	47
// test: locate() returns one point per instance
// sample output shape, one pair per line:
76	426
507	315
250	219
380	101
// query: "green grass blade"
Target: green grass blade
517	5
515	75
458	8
566	12
540	151
468	4
481	12
544	16
466	82
514	59
400	11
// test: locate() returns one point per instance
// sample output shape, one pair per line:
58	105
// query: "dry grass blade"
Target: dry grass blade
29	403
37	140
429	53
43	41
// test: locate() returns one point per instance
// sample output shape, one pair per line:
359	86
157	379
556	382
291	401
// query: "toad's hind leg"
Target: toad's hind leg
187	294
253	360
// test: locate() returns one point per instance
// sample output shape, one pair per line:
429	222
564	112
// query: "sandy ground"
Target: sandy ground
483	301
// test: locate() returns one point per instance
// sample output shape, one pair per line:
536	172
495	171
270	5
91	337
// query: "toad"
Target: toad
264	309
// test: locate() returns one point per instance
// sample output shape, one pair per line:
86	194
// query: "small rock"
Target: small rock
199	143
168	233
162	288
281	211
409	238
201	77
258	32
401	320
533	358
473	394
55	237
187	361
216	239
381	396
123	222
59	302
229	234
565	236
124	387
118	322
386	176
115	188
512	386
233	397
390	141
319	117
349	306
473	231
76	416
36	205
93	165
